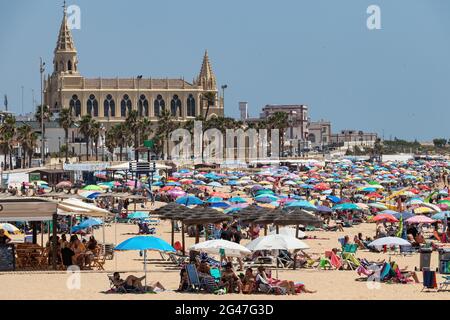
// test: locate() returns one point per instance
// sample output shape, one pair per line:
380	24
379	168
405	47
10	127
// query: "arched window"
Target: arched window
312	138
159	105
69	65
109	107
191	106
175	107
75	106
92	106
143	106
125	106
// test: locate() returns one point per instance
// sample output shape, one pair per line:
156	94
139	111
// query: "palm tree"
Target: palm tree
23	137
95	135
8	132
279	120
121	134
165	126
66	121
132	124
85	125
210	98
111	141
145	129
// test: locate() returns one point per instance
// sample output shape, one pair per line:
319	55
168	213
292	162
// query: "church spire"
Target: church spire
65	59
207	79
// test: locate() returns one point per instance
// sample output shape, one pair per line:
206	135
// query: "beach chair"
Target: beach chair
194	280
178	260
99	262
350	248
284	260
429	280
385	271
443	286
324	264
119	289
407	250
341	241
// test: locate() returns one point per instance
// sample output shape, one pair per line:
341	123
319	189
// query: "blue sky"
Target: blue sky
394	81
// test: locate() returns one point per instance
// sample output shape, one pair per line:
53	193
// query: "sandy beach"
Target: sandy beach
330	284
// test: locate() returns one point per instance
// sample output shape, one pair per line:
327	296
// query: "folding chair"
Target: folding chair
194	280
444	285
429	280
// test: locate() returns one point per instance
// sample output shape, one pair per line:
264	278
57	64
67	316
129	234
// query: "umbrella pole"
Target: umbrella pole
172	236
145	269
103	230
182	237
278	229
296	231
265	230
197	235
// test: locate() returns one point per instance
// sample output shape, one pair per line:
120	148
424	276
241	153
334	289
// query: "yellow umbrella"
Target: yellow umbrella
423	210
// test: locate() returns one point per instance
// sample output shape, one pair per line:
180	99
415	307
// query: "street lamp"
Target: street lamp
42	70
223	94
140	111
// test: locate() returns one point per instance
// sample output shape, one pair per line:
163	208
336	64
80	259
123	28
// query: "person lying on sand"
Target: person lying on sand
135	283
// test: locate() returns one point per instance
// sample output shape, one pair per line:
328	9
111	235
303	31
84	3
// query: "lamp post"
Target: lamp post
225	86
42	70
140	111
59	147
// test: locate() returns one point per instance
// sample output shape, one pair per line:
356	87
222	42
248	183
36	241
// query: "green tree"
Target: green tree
66	121
7	134
165	126
210	98
95	135
440	143
85	126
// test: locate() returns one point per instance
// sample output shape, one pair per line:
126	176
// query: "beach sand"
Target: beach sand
330	284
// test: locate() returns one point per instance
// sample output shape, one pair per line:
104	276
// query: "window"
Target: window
191	106
125	106
143	106
75	106
312	138
159	105
69	65
109	107
92	106
175	107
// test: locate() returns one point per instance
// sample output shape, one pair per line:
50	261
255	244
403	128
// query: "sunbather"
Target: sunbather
230	280
248	282
135	283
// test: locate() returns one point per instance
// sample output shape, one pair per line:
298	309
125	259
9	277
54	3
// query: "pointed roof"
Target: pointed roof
65	40
206	71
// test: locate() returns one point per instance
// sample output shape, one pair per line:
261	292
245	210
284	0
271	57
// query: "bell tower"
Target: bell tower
65	59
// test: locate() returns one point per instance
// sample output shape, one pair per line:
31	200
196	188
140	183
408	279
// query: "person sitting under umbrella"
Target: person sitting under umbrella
4	239
230	280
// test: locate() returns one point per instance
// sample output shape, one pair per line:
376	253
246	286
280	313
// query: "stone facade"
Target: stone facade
110	100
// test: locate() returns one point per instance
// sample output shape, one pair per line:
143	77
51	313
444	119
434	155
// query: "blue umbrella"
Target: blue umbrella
334	199
144	243
238	200
441	215
138	215
324	209
189	201
219	205
214	200
264	199
300	204
346	206
214	184
87	224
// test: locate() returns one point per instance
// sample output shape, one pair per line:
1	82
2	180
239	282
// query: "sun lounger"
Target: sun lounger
178	260
120	289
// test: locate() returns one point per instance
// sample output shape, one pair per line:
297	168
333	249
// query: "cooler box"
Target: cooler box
425	258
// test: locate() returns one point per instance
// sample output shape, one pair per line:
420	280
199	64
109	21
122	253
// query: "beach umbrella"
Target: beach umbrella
64	184
289	232
219	205
346	206
391	212
90	194
237	200
9	227
231	249
377	205
144	243
323	209
138	215
189	201
93	187
423	210
88	223
175	193
334	199
276	242
214	200
214	184
441	215
403	215
385	217
420	219
389	241
300	204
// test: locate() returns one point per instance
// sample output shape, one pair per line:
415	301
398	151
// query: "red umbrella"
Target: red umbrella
385	217
374	195
322	186
220	195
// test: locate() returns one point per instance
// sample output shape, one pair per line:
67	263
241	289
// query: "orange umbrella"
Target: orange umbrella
385	217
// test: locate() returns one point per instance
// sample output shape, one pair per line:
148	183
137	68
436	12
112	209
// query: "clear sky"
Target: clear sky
320	53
